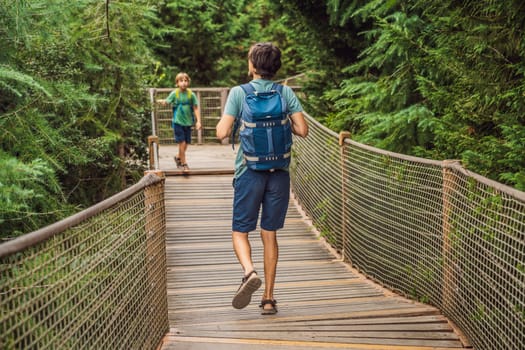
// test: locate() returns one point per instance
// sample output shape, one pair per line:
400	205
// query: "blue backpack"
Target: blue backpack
265	131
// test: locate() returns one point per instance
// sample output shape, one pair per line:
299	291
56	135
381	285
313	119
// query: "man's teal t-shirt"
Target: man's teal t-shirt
234	104
184	111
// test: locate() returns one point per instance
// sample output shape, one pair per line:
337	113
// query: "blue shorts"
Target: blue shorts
254	189
182	133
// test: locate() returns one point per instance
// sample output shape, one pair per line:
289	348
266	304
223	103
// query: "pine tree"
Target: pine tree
440	80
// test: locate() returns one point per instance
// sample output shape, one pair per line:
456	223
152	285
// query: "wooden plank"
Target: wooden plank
199	157
442	339
261	344
322	302
425	322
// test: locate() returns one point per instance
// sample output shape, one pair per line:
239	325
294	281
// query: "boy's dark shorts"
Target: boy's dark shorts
182	133
255	188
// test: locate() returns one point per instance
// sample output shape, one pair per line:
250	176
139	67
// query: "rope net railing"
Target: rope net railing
96	280
484	259
429	230
316	182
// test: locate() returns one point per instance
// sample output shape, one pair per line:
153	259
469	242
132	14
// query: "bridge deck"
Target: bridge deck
322	302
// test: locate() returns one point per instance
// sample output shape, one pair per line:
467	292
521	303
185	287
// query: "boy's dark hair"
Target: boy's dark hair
266	59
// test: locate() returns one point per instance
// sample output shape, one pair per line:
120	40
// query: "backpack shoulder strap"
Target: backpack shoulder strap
177	96
247	88
277	87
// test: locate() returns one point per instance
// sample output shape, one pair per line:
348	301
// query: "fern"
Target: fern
27	198
13	81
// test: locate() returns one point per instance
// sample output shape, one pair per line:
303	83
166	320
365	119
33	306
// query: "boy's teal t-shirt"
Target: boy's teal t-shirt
184	111
234	104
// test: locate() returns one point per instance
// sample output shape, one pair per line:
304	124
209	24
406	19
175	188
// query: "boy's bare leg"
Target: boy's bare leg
243	250
183	146
271	255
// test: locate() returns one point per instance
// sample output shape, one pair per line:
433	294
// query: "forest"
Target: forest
439	80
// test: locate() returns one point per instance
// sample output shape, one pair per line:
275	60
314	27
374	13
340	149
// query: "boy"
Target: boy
253	189
185	109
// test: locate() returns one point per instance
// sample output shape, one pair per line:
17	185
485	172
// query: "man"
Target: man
253	188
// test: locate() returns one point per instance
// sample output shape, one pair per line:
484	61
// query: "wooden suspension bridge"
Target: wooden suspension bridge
323	303
153	266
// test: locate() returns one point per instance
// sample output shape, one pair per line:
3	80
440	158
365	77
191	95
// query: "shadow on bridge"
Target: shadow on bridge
323	303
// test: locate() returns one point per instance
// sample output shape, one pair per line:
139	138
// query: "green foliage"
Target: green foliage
198	36
322	44
30	195
11	79
442	81
437	80
210	41
71	101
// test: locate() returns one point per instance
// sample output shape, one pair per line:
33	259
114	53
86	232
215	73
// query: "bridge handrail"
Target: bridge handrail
30	239
428	229
94	280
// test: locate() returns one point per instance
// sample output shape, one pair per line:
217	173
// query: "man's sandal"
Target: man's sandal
271	311
177	161
250	283
185	168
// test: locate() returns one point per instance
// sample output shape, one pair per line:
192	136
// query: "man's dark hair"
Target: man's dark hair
266	59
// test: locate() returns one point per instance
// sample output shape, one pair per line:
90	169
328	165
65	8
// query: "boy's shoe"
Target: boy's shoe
250	283
177	161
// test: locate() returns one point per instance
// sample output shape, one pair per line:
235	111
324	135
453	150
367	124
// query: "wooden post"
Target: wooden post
153	144
152	93
224	96
199	132
449	278
342	136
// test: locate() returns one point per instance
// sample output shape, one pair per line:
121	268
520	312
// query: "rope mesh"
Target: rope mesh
394	209
484	290
429	230
100	284
316	182
211	104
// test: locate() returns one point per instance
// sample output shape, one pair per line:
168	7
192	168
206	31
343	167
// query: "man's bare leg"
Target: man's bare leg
271	255
243	250
250	282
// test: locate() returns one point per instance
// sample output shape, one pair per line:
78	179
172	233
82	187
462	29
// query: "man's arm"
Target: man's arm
299	125
224	127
